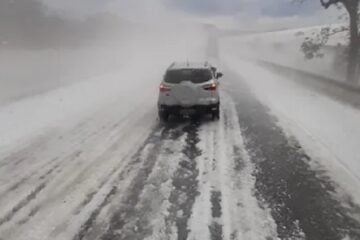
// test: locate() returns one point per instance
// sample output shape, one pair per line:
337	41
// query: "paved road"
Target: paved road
133	178
301	200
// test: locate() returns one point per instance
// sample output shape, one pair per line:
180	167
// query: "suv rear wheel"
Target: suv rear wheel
216	113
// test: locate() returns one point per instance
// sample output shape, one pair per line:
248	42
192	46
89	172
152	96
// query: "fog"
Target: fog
47	44
59	68
44	46
50	46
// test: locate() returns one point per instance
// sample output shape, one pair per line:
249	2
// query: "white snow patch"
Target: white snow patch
200	219
284	48
238	186
241	216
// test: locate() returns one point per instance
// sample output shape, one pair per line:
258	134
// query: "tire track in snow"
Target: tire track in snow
216	204
48	166
81	134
185	186
41	175
86	136
25	153
32	212
90	196
29	152
147	218
49	171
44	178
89	223
226	185
8	216
216	229
128	205
92	205
23	180
142	168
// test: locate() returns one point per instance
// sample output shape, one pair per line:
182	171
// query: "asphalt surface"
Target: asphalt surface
301	199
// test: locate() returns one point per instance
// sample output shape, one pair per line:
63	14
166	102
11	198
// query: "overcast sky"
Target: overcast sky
200	7
228	13
265	7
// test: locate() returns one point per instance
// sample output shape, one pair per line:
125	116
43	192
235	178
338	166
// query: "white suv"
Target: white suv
188	89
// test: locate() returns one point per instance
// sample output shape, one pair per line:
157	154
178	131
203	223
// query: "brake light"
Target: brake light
164	88
211	87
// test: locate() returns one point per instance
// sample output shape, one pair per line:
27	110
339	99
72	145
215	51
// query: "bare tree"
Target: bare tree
311	47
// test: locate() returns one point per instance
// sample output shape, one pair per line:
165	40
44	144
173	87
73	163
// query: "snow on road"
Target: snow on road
154	184
45	183
327	129
226	184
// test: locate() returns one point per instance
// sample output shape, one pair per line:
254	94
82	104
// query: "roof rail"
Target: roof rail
171	65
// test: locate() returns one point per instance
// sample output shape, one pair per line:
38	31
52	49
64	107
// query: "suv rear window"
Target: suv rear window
193	75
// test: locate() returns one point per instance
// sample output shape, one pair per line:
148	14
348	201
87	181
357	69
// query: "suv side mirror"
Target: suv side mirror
219	75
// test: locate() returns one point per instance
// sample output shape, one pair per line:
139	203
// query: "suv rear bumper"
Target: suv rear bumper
177	109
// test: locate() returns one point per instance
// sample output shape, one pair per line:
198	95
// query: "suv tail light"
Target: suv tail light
164	88
211	87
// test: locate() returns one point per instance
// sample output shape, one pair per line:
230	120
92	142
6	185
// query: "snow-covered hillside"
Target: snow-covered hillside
284	47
